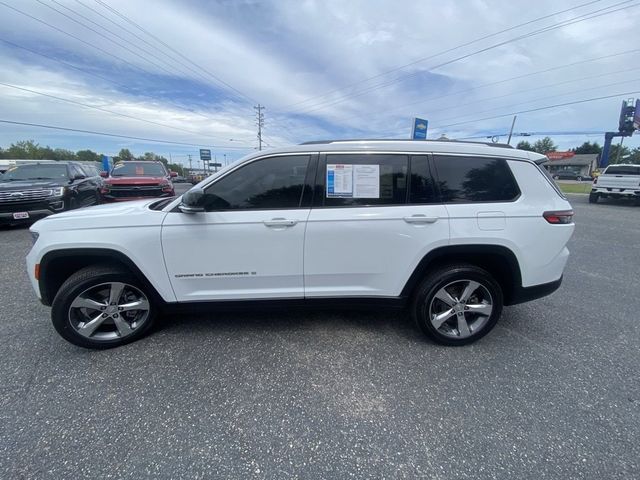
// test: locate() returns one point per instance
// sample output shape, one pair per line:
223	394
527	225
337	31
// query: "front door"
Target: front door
249	241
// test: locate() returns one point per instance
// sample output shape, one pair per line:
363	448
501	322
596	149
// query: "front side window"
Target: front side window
365	179
270	183
474	179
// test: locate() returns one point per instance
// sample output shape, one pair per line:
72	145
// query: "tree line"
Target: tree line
617	153
30	150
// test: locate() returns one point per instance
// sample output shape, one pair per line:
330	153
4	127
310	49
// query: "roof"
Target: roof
392	146
580	159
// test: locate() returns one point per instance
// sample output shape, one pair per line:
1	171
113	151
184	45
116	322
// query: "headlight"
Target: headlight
58	191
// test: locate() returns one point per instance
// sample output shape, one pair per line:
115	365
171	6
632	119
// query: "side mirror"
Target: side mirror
173	174
192	201
79	177
104	174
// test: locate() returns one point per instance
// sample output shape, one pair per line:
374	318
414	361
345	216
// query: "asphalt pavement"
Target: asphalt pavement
552	392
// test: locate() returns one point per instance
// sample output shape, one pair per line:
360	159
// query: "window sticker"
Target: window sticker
339	180
366	181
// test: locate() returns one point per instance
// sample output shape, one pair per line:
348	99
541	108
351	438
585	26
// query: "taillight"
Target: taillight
559	218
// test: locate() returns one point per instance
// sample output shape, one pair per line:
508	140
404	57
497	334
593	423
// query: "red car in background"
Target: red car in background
134	180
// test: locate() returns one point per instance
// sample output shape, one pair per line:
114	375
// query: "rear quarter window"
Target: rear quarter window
474	179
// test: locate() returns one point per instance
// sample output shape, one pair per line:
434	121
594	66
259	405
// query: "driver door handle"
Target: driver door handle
419	218
279	222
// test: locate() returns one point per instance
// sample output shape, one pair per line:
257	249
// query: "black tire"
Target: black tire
556	177
80	282
579	178
593	197
444	276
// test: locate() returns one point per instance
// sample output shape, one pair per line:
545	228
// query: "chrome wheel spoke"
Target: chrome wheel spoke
444	296
115	293
468	290
463	326
438	319
138	305
83	302
481	308
87	329
122	325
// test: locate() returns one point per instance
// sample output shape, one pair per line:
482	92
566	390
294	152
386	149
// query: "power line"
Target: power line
106	134
71	35
572	21
74	102
89	72
547	107
131	22
105	37
422	59
138	37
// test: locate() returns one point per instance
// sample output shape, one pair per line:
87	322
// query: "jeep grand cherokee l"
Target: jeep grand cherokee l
452	230
134	180
32	191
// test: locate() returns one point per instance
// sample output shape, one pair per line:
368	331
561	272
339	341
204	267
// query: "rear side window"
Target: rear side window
421	185
365	179
474	179
622	170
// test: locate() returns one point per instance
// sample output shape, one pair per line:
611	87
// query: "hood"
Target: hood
31	185
135	180
113	215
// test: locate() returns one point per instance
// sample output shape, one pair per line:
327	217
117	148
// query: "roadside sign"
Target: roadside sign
215	165
205	154
419	129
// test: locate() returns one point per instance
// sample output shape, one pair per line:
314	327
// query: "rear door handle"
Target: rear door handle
279	222
419	218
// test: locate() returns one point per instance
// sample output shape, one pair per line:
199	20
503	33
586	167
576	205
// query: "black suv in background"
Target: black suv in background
32	191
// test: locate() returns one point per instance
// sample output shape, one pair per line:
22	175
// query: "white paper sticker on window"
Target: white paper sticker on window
339	180
366	181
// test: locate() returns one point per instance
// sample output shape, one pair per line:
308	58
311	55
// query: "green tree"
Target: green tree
27	149
544	145
588	147
62	154
174	167
619	154
524	145
88	156
125	155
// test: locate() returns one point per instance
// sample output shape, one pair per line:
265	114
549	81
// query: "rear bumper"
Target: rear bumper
526	294
617	192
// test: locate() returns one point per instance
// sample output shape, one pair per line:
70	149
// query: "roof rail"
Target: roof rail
347	140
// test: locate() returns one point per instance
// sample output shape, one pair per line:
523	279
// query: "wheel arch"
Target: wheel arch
498	260
58	265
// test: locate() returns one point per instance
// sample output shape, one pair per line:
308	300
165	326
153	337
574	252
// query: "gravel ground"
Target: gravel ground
552	392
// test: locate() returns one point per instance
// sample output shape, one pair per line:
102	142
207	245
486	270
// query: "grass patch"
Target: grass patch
575	187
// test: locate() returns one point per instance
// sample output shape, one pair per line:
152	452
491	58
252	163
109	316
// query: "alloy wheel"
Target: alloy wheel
461	309
109	311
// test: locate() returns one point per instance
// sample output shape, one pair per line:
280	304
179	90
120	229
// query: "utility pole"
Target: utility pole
190	166
260	121
511	131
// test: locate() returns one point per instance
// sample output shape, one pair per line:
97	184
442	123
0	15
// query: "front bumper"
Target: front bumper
34	211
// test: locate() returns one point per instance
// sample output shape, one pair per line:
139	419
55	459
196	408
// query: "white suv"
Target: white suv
454	230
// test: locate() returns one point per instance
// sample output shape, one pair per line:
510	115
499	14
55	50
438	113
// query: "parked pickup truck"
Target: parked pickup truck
617	181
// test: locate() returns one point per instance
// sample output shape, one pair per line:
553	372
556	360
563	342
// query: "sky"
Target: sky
190	72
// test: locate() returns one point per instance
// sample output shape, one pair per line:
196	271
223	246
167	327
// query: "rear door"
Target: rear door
375	216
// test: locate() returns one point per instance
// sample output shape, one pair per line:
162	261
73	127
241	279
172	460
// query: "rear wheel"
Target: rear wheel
593	197
556	177
457	304
579	178
102	307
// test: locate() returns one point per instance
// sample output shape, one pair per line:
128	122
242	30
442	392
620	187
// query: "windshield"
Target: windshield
138	169
36	172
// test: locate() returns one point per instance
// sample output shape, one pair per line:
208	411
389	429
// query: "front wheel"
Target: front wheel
457	304
579	179
102	307
593	198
